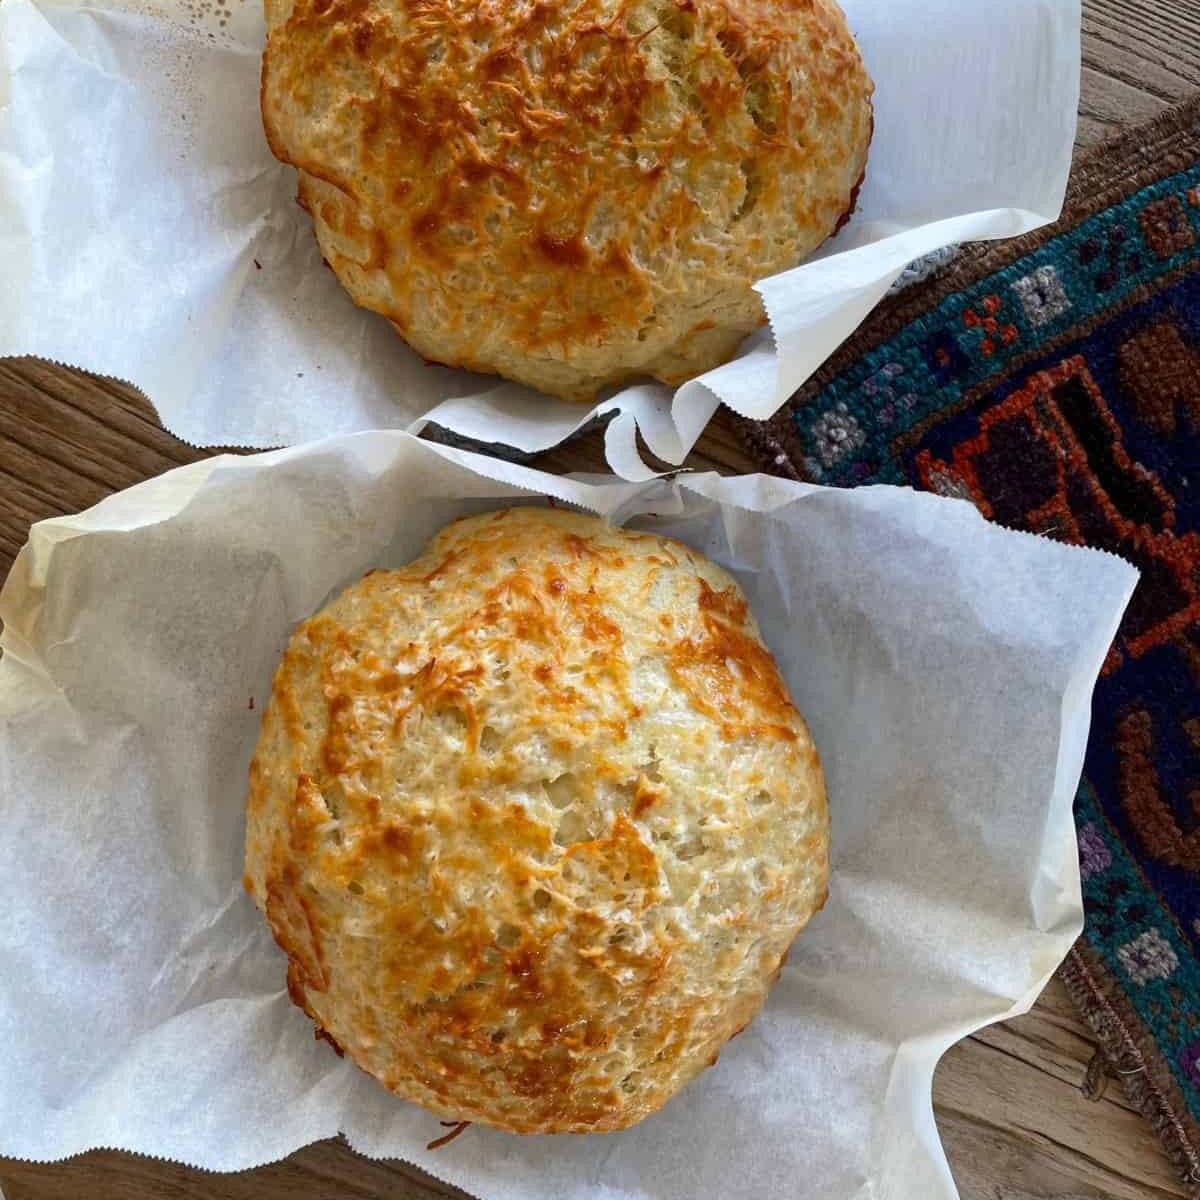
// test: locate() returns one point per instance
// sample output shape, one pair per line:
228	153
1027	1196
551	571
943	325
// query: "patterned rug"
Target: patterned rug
1055	382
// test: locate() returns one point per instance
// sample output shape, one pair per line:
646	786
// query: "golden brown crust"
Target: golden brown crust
568	192
535	821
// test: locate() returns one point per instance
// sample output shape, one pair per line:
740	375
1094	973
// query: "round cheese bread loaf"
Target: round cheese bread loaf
535	821
570	193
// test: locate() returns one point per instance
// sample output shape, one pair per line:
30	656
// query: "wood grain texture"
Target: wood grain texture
1010	1100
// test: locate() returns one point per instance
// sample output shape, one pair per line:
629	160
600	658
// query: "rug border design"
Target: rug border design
1101	179
1148	1079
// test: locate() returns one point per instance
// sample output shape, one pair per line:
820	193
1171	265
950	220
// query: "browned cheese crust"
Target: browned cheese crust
535	821
569	193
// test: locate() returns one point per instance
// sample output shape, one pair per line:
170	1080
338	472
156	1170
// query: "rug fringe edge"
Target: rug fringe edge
1142	1086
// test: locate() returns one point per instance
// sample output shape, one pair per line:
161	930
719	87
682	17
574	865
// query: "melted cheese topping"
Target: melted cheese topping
535	820
569	193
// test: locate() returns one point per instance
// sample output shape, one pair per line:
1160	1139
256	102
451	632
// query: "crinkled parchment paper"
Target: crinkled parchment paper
945	665
147	232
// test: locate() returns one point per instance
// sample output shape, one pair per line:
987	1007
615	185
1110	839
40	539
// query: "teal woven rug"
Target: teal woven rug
1055	382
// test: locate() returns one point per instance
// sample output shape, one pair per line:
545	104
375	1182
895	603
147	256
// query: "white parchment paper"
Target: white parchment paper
146	232
945	666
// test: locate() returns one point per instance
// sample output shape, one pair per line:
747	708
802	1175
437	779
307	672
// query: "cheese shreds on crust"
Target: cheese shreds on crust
535	820
570	193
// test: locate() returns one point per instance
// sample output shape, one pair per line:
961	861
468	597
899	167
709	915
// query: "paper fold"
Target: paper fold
149	235
944	665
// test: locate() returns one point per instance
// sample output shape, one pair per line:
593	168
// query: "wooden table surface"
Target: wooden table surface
1020	1113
